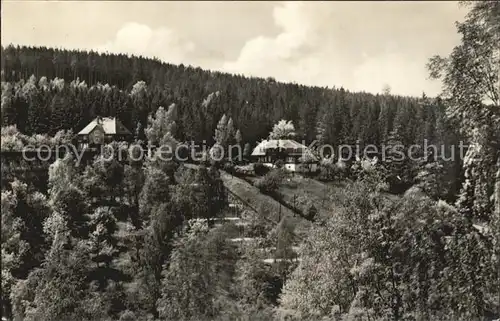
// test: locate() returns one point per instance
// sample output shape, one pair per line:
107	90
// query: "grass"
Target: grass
254	198
262	203
299	192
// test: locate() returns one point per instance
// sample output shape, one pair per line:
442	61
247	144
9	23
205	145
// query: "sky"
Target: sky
361	46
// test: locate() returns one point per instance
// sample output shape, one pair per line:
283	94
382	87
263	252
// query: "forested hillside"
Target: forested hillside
45	90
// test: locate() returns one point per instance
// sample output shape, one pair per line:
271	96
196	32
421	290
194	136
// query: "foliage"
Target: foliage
23	237
430	179
398	165
222	132
260	169
279	163
78	95
270	182
13	140
246	150
102	243
138	240
282	130
390	259
258	286
134	88
162	125
311	213
199	275
59	290
470	78
155	191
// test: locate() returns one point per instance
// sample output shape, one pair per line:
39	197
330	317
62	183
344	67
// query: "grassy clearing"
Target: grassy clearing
263	203
254	198
300	192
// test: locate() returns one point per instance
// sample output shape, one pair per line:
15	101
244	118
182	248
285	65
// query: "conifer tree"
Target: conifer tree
397	163
8	111
238	138
102	243
221	132
246	150
230	132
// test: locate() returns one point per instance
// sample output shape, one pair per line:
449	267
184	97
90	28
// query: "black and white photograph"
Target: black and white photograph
250	160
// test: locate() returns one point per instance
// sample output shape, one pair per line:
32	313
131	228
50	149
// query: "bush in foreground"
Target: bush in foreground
271	181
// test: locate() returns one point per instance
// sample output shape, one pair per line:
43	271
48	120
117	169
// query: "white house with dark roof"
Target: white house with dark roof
103	130
296	157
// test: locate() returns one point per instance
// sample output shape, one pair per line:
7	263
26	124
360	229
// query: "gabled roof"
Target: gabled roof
110	125
287	145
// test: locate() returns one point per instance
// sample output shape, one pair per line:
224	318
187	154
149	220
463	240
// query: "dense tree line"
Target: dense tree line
67	89
45	90
99	241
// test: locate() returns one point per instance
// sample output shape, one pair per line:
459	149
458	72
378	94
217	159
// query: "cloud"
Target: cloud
404	76
293	54
360	46
140	39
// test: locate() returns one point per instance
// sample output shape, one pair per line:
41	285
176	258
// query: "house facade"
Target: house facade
103	130
295	156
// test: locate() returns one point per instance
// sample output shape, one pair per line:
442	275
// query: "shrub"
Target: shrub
229	167
128	315
242	171
258	227
271	181
260	169
311	213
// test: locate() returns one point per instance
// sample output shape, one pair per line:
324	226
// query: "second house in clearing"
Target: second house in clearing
295	156
103	130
